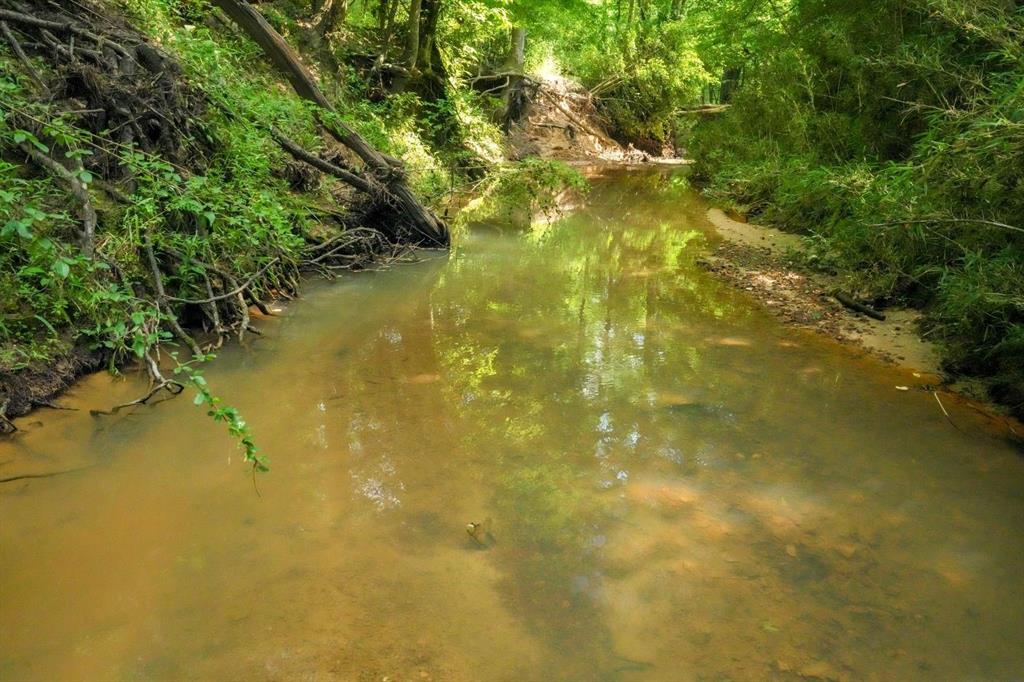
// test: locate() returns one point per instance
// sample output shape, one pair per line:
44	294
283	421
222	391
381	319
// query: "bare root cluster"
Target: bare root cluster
124	97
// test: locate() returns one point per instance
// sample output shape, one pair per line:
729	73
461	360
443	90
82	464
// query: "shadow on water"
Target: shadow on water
669	486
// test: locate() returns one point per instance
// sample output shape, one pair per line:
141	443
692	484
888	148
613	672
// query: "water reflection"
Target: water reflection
678	489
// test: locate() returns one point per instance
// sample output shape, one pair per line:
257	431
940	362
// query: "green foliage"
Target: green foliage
521	191
229	416
890	132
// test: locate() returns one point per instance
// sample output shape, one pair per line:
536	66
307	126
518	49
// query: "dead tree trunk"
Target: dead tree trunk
385	173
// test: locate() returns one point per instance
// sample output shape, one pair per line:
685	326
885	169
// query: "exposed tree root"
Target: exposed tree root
6	425
79	190
127	97
23	58
157	384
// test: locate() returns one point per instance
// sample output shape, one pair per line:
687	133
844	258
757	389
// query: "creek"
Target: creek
675	487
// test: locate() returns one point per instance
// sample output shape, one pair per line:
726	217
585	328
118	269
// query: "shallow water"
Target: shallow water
679	489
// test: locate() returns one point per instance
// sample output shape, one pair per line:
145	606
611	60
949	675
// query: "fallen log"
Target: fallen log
388	183
346	176
703	110
853	304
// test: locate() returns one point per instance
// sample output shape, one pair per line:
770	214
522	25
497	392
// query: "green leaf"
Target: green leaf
61	269
138	317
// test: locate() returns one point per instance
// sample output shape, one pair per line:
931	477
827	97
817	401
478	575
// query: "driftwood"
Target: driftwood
703	110
388	183
853	304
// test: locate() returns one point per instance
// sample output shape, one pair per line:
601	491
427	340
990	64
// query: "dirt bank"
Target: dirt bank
560	121
761	260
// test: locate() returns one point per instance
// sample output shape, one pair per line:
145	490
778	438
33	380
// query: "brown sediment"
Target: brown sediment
761	260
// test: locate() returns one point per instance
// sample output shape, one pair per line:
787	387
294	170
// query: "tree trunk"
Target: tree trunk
730	81
512	98
334	16
412	44
516	59
390	187
432	76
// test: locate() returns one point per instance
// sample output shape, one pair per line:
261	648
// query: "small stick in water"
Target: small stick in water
49	474
943	408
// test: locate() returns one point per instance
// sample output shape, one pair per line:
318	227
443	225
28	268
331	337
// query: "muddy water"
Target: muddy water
678	488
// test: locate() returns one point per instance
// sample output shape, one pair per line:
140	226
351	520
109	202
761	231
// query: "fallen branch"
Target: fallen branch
852	304
348	177
928	221
702	110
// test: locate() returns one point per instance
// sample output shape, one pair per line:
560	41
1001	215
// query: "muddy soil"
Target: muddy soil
764	261
761	260
23	390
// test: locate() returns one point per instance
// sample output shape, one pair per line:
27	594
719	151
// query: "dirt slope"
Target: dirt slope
561	122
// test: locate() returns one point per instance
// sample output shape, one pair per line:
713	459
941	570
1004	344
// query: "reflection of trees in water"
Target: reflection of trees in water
555	357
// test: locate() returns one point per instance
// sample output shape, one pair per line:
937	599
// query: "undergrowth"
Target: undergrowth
221	204
901	158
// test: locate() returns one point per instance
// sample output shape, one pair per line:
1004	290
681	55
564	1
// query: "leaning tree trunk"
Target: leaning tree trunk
386	177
